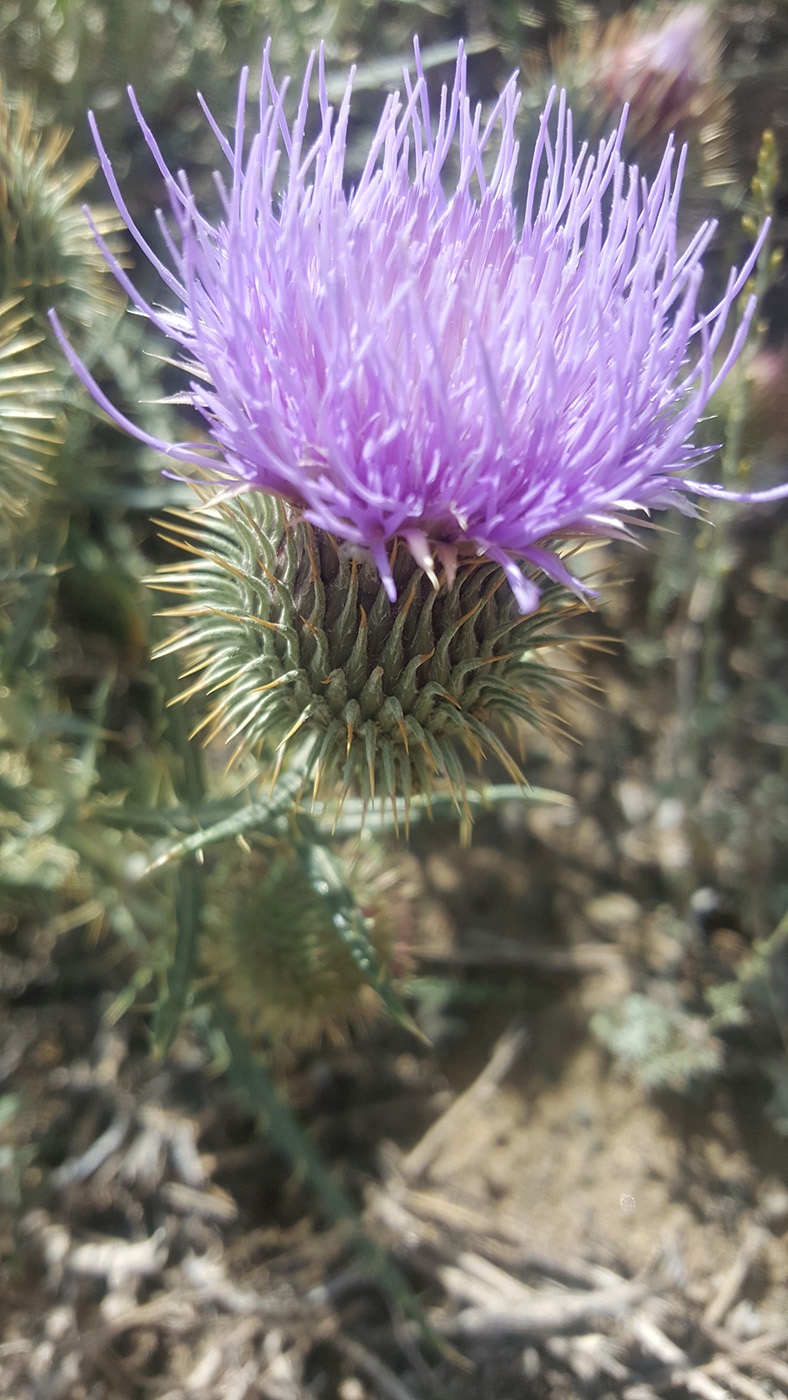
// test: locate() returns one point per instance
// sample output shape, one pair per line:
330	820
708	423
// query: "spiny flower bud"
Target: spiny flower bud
279	962
300	648
27	431
47	254
666	70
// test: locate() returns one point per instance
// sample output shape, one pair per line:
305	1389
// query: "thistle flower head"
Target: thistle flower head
414	359
666	68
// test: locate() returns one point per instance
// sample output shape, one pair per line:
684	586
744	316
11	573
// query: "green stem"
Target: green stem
254	1087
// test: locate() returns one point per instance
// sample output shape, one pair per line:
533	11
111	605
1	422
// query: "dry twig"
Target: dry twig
733	1281
544	1314
385	1382
465	1108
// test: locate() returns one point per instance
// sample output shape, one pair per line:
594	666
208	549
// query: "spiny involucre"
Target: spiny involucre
399	361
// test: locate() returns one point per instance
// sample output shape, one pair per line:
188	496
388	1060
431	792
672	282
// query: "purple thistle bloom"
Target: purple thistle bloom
399	361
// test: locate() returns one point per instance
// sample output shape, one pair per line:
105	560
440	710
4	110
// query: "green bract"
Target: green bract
301	651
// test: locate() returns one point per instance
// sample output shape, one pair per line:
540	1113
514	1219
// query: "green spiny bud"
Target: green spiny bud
48	256
279	962
27	430
301	651
666	68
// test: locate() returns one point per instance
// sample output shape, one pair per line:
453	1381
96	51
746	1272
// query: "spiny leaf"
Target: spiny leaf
180	973
257	816
324	873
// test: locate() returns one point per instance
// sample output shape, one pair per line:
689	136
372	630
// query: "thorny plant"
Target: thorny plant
102	831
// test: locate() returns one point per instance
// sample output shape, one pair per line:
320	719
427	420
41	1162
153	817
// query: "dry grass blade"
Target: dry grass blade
544	1314
462	1111
733	1281
388	1386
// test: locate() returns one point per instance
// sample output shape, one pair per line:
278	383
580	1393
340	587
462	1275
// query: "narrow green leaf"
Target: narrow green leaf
180	973
324	873
439	804
255	1088
257	816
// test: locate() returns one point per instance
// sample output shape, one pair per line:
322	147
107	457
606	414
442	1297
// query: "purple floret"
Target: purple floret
405	361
